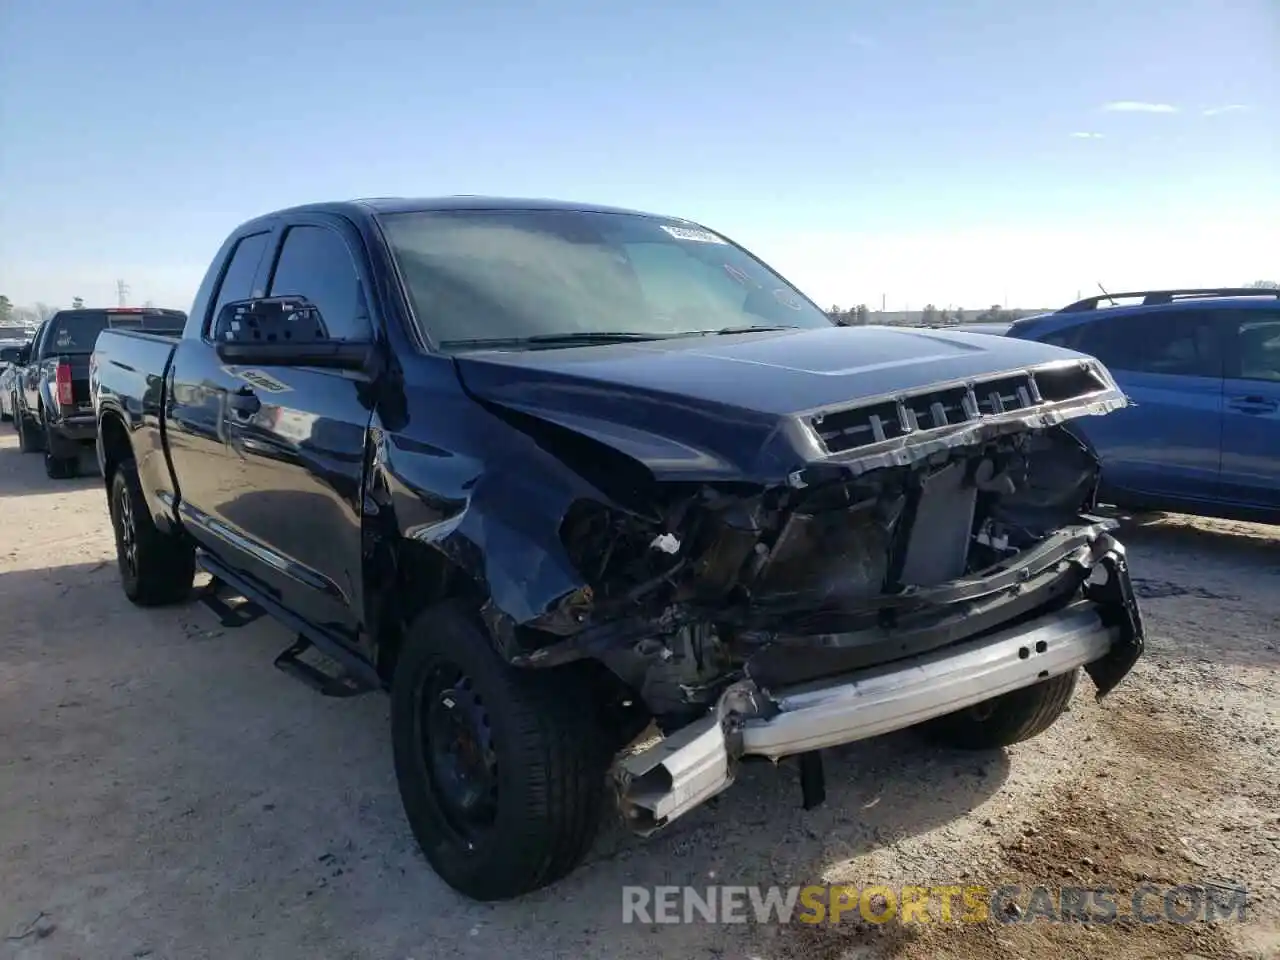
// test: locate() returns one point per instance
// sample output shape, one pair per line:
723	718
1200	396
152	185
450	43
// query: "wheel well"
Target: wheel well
422	577
114	438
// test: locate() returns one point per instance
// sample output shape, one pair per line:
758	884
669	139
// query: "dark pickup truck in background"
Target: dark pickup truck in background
52	409
550	474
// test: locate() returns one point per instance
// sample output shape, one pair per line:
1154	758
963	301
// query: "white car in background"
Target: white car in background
8	376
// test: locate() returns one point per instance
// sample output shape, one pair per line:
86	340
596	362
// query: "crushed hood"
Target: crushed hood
738	406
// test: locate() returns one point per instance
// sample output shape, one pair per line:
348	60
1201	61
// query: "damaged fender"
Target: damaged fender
499	521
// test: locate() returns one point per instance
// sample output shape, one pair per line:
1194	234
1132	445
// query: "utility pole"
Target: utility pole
122	293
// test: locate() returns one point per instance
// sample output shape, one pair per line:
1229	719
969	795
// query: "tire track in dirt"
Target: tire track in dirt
1106	829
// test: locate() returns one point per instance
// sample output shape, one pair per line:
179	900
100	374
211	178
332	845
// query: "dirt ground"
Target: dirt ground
164	793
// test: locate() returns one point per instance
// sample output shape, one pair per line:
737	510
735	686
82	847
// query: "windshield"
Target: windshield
477	277
77	331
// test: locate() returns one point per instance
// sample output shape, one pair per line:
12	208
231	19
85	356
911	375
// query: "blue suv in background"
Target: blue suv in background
1202	368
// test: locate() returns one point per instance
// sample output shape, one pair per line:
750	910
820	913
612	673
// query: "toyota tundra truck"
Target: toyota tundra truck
607	506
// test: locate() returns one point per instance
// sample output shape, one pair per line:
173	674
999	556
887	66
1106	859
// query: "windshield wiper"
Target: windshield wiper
557	339
749	328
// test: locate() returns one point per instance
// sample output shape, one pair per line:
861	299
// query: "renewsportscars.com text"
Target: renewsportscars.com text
946	903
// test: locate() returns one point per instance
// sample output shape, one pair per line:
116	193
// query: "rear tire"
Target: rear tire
510	802
1007	719
55	466
156	568
28	438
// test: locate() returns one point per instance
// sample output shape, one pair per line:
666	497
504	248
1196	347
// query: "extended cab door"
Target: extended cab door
1170	363
1251	420
300	434
209	475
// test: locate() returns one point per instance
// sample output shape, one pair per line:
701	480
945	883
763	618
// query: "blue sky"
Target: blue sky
929	150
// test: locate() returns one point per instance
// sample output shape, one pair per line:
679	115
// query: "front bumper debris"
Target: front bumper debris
1102	633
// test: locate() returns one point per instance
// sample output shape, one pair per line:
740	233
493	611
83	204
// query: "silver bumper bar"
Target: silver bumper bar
680	772
889	698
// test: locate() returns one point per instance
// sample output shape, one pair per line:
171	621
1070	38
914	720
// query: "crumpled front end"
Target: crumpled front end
912	522
913	533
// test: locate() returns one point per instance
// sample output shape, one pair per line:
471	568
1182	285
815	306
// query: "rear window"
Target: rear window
76	331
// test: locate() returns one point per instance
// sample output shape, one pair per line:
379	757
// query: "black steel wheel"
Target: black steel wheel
501	770
456	737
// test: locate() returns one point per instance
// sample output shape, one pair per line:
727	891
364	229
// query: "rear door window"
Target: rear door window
237	279
1257	346
1170	342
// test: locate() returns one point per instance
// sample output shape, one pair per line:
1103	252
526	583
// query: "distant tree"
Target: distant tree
944	316
148	304
862	315
44	311
991	314
6	309
959	315
77	303
929	314
25	316
1264	285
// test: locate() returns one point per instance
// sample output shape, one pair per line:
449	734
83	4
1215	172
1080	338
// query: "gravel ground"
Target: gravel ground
164	793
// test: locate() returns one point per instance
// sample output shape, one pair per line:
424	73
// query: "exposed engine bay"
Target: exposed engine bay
765	583
855	572
851	564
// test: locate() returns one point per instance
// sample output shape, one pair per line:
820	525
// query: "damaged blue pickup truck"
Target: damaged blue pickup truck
603	501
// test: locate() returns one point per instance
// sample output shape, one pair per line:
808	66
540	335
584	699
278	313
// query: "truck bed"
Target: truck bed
128	370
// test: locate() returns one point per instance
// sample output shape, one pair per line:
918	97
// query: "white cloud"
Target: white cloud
1138	106
861	40
1086	135
1227	108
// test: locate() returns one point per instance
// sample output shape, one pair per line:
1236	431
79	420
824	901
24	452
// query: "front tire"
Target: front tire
501	771
156	568
1007	719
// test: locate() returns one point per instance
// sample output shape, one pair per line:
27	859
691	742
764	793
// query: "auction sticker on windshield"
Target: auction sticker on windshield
692	233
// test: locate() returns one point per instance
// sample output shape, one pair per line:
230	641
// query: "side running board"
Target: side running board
320	673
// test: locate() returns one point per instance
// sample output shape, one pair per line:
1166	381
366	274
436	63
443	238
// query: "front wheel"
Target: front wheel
1007	719
501	771
155	567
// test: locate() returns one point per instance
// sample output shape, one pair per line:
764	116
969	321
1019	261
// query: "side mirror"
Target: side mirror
11	355
283	331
